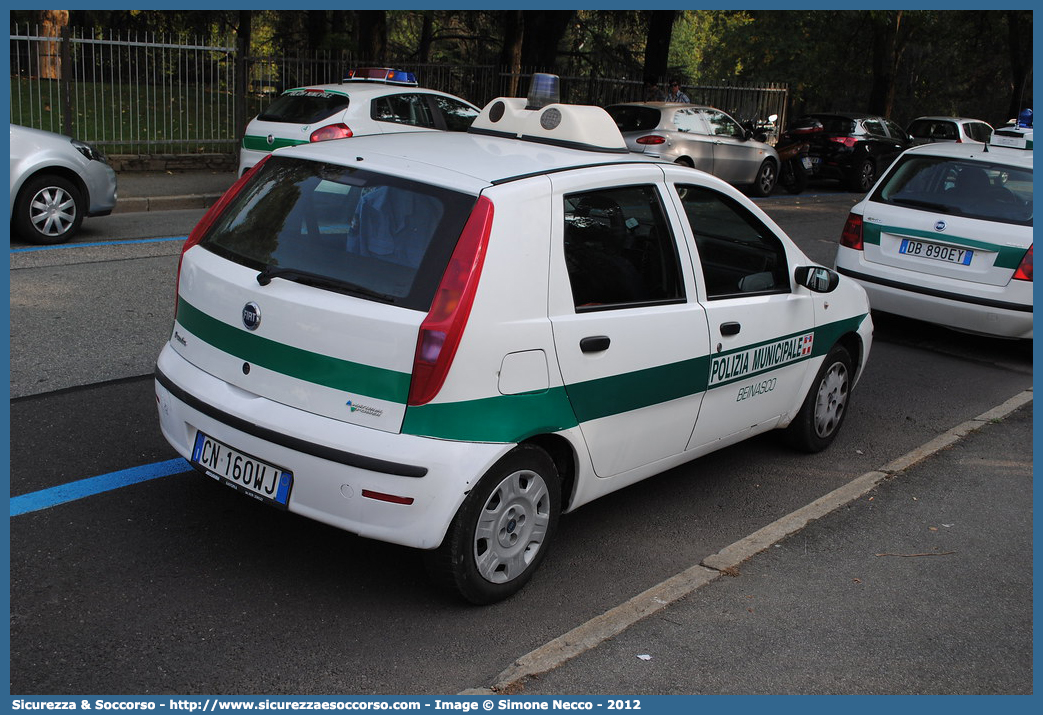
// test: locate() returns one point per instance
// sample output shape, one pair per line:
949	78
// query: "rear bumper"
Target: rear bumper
332	461
1003	311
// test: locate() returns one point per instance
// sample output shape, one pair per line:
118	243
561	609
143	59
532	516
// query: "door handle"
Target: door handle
730	328
594	344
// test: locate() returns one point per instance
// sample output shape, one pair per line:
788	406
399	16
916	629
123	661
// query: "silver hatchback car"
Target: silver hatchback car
701	137
55	182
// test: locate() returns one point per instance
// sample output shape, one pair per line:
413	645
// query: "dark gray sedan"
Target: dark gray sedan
701	137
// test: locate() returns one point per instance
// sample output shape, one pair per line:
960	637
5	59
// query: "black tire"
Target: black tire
503	530
863	176
49	210
825	406
799	180
767	175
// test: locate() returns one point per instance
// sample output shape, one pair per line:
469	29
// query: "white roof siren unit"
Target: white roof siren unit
541	119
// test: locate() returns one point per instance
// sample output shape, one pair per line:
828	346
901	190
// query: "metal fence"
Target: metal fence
152	94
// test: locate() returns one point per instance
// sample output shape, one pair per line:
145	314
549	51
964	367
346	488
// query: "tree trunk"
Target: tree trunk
426	36
657	43
1019	30
542	34
52	22
511	54
372	35
885	26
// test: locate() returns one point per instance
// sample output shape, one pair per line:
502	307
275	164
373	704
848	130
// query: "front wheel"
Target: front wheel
798	177
503	529
824	408
49	209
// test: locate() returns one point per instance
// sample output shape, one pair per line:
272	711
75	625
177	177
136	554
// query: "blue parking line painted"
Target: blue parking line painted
97	243
63	493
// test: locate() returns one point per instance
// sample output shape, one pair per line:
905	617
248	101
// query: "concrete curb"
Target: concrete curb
165	203
726	561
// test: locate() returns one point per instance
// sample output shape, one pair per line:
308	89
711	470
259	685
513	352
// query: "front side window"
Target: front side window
739	255
619	249
409	109
723	125
960	187
343	229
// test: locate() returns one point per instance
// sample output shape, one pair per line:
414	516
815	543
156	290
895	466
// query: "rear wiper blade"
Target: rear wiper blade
295	274
943	208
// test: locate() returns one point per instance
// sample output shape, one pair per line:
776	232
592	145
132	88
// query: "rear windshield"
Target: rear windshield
835	125
960	187
927	129
634	119
343	229
304	106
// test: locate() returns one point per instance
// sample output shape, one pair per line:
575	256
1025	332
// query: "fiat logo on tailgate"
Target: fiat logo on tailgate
251	316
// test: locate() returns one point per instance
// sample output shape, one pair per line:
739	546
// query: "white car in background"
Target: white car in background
926	130
946	236
56	181
368	101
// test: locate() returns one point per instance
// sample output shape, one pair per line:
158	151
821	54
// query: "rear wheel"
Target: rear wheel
767	175
863	177
503	529
824	408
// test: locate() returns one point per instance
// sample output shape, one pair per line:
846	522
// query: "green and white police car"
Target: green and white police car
445	340
370	100
946	236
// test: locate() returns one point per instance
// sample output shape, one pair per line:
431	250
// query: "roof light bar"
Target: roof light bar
384	75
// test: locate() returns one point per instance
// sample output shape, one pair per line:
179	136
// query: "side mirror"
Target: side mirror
817	278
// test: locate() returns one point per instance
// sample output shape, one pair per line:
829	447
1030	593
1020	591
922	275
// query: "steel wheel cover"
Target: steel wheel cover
52	211
512	526
831	400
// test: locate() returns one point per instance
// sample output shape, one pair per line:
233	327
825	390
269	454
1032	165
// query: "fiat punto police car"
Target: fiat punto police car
370	100
946	236
446	340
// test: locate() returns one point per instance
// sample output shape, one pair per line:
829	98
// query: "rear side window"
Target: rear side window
342	229
304	106
836	125
458	116
619	249
409	109
739	255
960	187
630	118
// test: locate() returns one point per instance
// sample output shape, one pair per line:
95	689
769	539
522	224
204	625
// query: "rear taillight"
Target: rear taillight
851	236
1024	272
331	131
443	327
846	141
209	217
652	139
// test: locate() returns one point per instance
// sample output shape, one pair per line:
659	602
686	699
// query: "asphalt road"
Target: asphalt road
179	586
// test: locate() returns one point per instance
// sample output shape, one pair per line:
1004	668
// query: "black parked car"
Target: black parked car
855	148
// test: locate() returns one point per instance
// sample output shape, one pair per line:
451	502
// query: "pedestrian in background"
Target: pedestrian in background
675	94
652	91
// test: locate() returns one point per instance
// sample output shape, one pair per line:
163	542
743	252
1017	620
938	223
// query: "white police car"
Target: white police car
371	100
444	340
946	236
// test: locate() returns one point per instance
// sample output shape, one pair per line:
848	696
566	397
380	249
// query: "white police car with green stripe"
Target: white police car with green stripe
446	340
370	100
946	236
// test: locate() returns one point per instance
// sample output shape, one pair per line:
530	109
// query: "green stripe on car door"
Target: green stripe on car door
298	363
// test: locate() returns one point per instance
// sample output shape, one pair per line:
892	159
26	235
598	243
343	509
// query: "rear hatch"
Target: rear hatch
292	117
962	218
310	288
